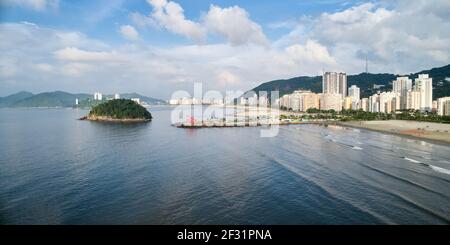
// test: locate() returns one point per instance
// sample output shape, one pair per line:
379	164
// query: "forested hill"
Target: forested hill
62	99
366	81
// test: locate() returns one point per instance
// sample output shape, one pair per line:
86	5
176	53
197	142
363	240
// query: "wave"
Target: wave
439	169
357	148
411	160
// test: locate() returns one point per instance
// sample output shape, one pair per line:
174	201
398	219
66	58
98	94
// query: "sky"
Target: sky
156	47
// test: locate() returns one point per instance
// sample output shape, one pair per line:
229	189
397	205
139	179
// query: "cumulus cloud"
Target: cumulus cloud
170	15
234	24
33	4
399	38
129	32
403	38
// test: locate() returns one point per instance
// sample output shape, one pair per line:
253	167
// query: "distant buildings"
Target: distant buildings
424	85
330	101
116	96
402	85
443	106
364	104
413	100
347	103
374	103
137	100
389	102
98	96
354	93
334	83
76	101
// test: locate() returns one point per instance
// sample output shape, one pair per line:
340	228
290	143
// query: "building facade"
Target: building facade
424	85
330	101
334	83
402	86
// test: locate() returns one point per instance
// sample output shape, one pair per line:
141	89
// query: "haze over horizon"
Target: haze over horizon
156	47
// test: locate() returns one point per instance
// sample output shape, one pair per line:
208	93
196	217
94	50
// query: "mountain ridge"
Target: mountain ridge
60	99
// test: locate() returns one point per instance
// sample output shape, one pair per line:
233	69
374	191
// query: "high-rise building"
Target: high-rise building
76	101
365	104
334	83
330	101
374	103
354	92
310	101
98	96
441	106
347	103
413	100
388	102
402	86
434	107
446	108
423	84
116	96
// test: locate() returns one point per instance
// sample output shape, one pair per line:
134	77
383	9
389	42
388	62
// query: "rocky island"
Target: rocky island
119	110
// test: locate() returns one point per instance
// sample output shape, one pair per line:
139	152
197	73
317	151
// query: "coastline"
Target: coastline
110	119
437	133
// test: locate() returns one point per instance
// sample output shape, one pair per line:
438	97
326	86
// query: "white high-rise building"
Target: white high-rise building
413	100
402	86
330	101
388	102
116	96
374	103
334	83
442	109
354	92
424	85
98	96
76	101
365	104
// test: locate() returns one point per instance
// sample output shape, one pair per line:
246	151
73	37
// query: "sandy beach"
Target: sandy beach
419	130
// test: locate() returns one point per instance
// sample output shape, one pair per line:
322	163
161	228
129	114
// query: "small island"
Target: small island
119	110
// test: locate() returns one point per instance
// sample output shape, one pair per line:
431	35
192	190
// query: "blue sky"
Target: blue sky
156	47
100	19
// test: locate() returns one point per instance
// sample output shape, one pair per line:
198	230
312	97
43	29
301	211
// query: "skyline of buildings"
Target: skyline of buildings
404	96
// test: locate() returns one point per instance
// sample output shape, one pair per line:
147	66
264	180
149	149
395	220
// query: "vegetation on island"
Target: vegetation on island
122	109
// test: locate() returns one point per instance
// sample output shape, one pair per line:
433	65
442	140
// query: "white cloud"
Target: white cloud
129	32
234	24
402	39
33	4
398	39
170	15
231	23
75	54
310	52
226	78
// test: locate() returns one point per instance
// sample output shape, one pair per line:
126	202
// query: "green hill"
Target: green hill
51	99
64	99
119	109
148	100
365	81
14	98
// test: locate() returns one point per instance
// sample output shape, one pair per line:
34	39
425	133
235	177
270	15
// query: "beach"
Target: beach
421	130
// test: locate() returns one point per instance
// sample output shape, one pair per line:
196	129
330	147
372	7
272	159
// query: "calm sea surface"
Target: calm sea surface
55	169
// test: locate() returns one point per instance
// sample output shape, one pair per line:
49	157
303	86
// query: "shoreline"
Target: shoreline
114	120
402	129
